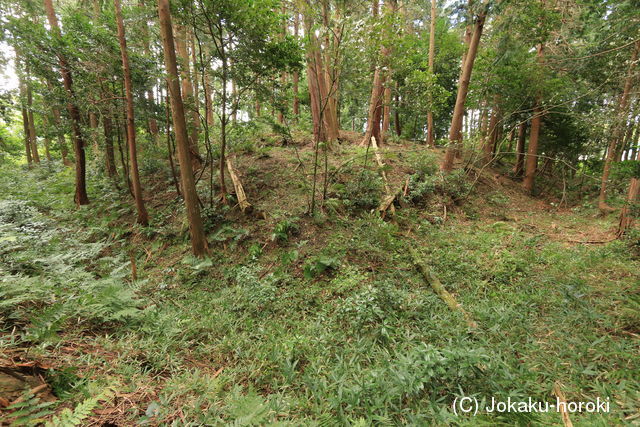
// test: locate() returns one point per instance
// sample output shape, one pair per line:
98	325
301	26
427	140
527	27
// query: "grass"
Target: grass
316	321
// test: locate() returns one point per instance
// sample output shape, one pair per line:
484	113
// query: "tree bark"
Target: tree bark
81	197
33	140
57	121
47	140
109	158
143	216
187	90
531	162
208	99
432	53
375	112
196	229
489	142
396	112
522	135
455	131
618	127
27	140
319	129
296	74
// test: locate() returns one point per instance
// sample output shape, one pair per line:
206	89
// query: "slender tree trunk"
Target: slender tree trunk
455	131
376	91
109	158
47	140
209	99
386	110
296	74
187	91
196	229
618	127
531	161
27	140
376	103
195	81
143	216
33	141
396	113
283	75
432	53
489	142
81	197
329	65
522	135
635	149
319	129
234	95
57	122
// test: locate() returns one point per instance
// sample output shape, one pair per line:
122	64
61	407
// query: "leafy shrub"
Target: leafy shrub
259	293
456	185
320	265
284	229
361	191
371	309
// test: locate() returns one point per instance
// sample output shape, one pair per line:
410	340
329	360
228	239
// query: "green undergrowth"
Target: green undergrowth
317	322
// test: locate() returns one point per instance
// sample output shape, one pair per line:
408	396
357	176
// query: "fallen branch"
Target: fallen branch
436	285
387	202
237	184
562	407
591	242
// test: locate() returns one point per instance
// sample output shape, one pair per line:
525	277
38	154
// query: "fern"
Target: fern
29	411
69	418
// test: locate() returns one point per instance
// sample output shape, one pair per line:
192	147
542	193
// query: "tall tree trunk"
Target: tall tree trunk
522	135
296	74
329	65
47	140
618	127
386	110
33	141
396	113
143	216
490	141
635	149
375	112
432	53
62	144
195	77
109	158
283	75
196	229
187	91
531	162
208	99
81	197
152	122
27	139
455	131
319	129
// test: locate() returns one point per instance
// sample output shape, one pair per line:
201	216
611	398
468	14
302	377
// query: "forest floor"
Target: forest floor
312	320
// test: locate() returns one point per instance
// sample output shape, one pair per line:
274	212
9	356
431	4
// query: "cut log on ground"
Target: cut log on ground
436	285
237	184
